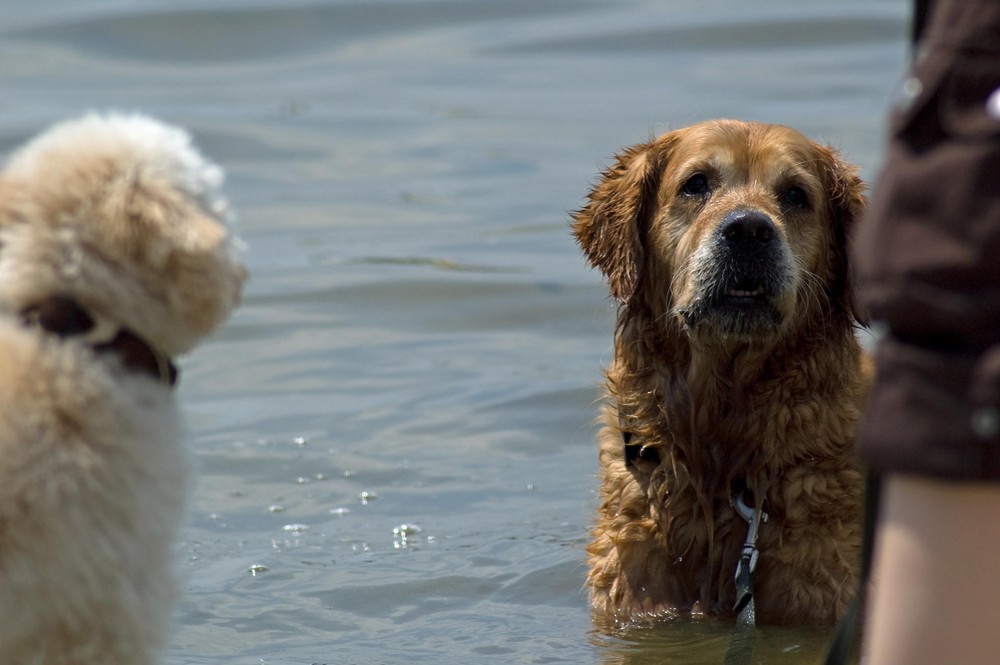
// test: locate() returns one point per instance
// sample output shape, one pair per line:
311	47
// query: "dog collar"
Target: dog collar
635	452
63	316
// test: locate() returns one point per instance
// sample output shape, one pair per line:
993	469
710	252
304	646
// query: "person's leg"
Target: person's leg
936	581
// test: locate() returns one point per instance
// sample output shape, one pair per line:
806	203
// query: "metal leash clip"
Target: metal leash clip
748	556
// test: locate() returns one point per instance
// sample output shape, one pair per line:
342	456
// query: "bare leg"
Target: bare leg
936	596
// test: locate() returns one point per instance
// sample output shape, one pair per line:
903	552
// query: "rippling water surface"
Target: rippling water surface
394	433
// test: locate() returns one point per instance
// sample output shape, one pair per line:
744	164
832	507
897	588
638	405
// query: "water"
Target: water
394	433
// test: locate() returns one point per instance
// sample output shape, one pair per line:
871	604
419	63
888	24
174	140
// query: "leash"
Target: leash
847	636
744	633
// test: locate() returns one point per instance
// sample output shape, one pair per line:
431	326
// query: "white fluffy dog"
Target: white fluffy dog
114	259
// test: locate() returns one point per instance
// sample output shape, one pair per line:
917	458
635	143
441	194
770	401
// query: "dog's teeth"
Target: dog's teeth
740	293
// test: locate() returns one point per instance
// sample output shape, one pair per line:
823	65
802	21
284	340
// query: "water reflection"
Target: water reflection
705	642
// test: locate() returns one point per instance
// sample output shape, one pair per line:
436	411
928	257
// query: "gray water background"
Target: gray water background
394	434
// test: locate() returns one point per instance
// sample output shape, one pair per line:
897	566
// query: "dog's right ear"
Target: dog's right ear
610	227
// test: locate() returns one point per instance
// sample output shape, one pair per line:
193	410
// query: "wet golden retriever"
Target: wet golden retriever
114	260
737	378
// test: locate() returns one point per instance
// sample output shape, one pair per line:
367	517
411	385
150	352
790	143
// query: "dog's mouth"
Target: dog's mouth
746	297
744	294
745	306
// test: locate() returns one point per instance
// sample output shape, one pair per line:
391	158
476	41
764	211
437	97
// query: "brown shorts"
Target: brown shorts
927	258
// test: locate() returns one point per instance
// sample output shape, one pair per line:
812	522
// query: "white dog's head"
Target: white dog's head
121	214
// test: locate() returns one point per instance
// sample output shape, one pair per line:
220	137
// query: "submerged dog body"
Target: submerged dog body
114	258
736	371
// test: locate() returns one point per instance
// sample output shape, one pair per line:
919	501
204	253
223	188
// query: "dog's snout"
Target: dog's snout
747	229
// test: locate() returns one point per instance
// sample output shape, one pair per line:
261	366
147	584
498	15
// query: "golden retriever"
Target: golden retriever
737	377
114	259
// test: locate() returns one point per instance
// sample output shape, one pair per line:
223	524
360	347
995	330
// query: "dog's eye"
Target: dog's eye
795	197
696	185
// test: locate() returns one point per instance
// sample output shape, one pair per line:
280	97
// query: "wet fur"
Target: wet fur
121	215
713	396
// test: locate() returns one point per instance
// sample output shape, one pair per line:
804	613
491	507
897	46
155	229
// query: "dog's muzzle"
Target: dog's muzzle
64	317
742	270
746	251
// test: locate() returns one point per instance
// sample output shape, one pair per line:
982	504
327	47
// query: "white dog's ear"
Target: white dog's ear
611	226
125	215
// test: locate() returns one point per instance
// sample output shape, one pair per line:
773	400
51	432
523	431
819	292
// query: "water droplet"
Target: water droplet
404	530
402	535
367	497
339	511
275	508
258	568
300	441
295	528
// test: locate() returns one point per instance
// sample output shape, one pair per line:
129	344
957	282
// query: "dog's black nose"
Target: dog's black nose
747	229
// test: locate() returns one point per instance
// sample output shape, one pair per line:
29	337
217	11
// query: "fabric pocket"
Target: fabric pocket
970	97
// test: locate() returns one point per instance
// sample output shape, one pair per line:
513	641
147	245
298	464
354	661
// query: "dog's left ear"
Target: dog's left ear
847	202
609	227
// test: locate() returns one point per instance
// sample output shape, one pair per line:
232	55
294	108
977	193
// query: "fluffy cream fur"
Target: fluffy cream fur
122	215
